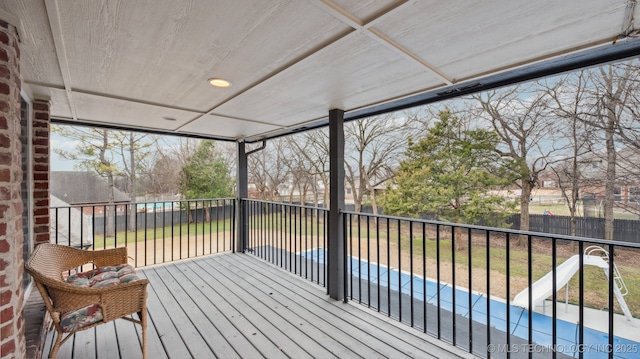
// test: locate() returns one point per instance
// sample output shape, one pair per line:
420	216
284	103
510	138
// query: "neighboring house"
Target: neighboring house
69	191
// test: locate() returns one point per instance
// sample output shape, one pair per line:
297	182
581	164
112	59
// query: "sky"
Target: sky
58	163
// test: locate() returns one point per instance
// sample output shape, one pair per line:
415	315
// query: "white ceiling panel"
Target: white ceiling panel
128	52
465	38
365	10
350	73
37	56
121	112
130	63
226	127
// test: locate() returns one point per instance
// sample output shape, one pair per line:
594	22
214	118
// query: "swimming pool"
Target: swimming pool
596	342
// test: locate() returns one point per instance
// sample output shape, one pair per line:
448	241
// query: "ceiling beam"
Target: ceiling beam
56	31
367	29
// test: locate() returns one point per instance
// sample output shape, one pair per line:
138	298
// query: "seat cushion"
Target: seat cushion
77	319
100	277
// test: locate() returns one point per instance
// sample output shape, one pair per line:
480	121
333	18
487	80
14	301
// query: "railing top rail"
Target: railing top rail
501	230
136	203
285	204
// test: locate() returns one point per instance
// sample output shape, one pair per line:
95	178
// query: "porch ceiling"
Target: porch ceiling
135	63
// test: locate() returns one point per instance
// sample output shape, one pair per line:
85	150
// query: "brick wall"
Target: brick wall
12	342
41	122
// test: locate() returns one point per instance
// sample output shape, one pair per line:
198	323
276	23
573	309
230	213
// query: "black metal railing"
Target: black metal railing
153	232
472	286
292	237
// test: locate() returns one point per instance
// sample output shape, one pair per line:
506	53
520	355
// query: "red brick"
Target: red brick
40	106
5	297
3	283
5	175
4	246
41	116
3	264
4	38
41	142
41	212
3	229
41	176
40	220
4	88
42	134
6	332
40	203
41	150
4	57
8	347
6	314
40	193
5	142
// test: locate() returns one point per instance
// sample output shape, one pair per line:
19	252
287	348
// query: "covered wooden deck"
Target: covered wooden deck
237	306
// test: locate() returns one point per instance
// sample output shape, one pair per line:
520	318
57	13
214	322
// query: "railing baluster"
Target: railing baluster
438	279
411	271
581	300
530	286
453	284
470	286
611	289
399	271
508	292
488	275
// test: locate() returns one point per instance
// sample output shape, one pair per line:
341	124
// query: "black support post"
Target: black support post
336	267
242	193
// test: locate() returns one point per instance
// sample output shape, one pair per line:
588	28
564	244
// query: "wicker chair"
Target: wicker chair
47	265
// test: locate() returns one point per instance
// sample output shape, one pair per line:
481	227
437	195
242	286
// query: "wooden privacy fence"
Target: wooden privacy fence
624	230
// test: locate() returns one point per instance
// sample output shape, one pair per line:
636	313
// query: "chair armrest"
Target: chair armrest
127	296
109	257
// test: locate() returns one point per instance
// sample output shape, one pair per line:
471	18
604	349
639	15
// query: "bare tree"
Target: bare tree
133	148
519	115
612	86
311	161
373	147
95	153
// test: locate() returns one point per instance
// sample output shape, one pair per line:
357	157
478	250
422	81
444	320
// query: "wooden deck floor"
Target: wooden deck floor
237	306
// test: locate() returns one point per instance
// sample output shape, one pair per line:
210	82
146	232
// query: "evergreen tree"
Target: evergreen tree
450	173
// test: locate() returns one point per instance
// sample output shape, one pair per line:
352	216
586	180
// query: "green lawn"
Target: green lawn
122	237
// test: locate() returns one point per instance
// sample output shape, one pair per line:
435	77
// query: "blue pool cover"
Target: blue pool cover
567	333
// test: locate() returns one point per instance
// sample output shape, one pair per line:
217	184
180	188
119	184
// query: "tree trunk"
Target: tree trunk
525	197
609	196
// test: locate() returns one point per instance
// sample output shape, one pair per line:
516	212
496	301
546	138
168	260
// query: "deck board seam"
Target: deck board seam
372	317
328	313
275	313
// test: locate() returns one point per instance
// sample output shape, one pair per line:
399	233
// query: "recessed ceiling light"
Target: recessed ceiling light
219	82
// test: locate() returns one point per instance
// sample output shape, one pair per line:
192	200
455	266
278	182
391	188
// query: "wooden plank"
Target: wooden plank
107	341
264	318
187	332
85	344
235	320
339	340
48	343
275	307
223	326
128	343
155	349
196	314
66	349
167	332
385	330
359	339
